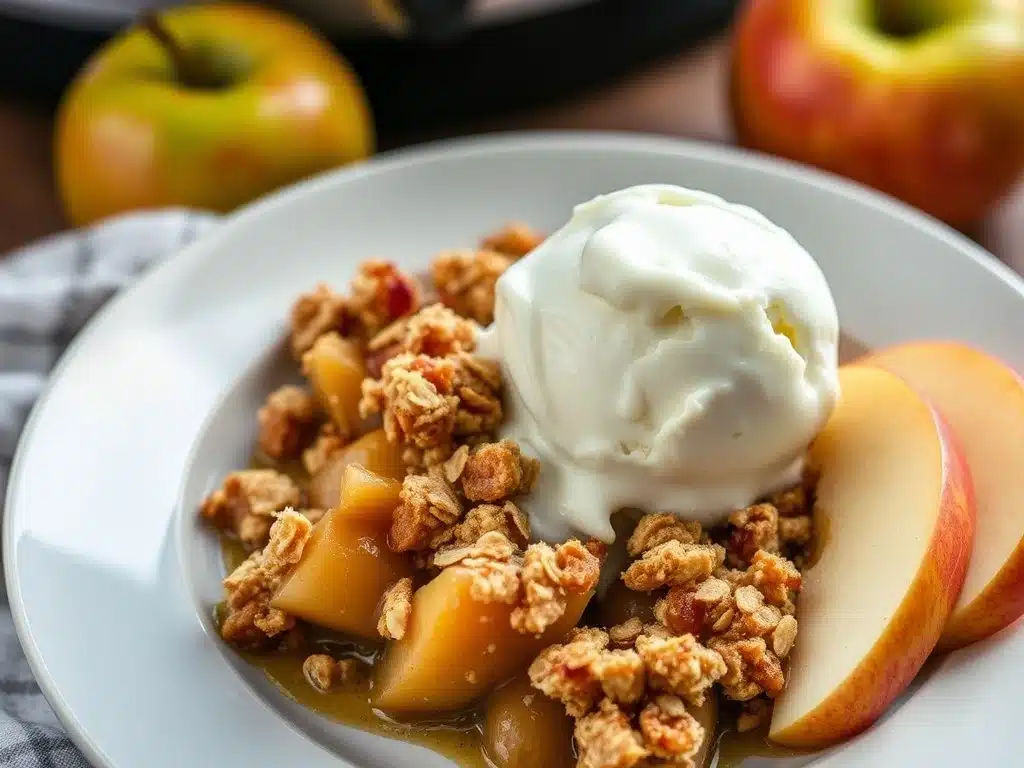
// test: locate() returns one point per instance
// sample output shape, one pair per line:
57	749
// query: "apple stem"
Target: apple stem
184	65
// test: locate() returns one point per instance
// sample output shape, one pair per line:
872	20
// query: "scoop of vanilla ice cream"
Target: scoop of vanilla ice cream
664	350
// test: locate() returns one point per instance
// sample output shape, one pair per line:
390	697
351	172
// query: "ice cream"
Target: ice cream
664	350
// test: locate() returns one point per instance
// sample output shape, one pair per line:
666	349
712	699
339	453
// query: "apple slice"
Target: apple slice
347	565
896	509
983	401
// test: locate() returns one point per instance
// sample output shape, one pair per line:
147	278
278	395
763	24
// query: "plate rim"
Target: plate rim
469	146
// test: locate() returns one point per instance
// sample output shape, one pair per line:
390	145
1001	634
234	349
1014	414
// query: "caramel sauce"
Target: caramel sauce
735	748
459	738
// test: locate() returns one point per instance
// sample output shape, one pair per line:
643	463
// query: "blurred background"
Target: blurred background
115	105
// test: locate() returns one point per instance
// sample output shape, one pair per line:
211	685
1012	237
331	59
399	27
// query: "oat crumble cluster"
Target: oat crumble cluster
628	687
724	616
465	279
251	622
378	295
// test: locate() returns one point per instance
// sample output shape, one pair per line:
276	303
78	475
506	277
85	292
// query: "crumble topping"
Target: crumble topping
673	563
328	442
286	421
494	564
606	739
427	509
514	239
379	294
656	529
784	636
491	546
246	502
478	387
776	578
495	471
548	576
433	392
598	549
416	396
782	525
427	401
567	672
453	467
680	665
795	501
714	624
604	689
751	669
507	519
750	631
251	622
465	281
753	528
396	609
622	675
315	314
669	731
434	331
324	673
795	530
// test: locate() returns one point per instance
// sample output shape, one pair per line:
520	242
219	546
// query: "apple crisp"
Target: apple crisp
285	421
250	621
515	239
444	493
395	610
325	673
245	504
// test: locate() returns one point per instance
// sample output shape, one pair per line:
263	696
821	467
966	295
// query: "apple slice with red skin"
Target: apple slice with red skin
895	507
983	400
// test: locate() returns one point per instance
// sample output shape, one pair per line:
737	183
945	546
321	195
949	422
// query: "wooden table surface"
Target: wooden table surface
684	96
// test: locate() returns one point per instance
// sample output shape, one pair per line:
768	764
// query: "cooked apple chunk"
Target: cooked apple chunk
336	370
523	728
347	566
461	640
372	451
365	495
456	648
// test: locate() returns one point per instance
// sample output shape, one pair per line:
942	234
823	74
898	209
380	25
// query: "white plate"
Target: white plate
111	580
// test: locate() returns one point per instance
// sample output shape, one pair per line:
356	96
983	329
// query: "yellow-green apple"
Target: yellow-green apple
923	99
207	106
895	509
983	400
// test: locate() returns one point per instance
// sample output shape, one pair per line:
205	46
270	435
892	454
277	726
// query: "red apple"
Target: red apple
894	510
984	403
921	99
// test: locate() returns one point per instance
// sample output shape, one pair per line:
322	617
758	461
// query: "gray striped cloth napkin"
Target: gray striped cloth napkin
48	291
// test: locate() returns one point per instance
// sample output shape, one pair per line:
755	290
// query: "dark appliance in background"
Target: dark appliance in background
424	63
